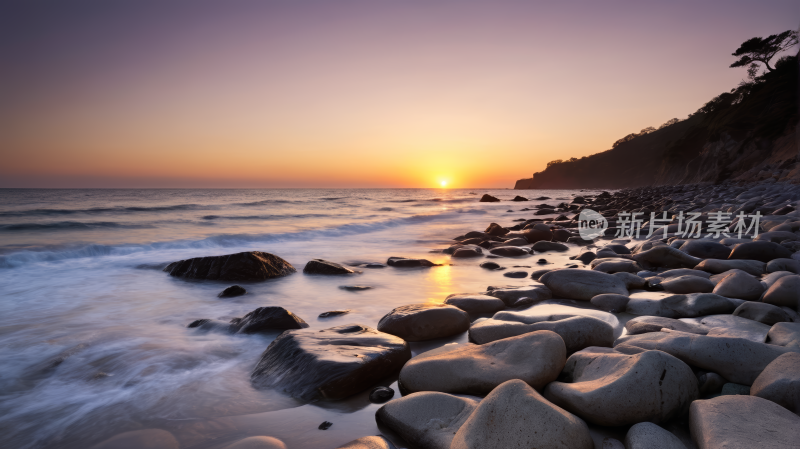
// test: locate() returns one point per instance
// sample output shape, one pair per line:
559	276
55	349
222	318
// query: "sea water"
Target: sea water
93	337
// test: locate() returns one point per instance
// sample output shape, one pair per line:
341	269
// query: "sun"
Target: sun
443	183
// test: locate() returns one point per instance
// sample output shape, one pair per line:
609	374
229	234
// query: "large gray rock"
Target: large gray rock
542	246
733	326
736	359
510	295
140	439
754	267
684	272
762	312
330	363
770	279
475	302
403	262
763	251
509	251
646	324
468	251
617	266
705	249
790	265
784	292
515	415
265	319
326	267
246	266
742	422
578	332
647	435
739	284
613	389
373	442
780	382
420	322
631	280
786	335
682	306
610	302
687	284
428	420
582	284
665	256
536	358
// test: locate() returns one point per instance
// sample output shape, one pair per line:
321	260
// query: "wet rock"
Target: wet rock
536	358
543	246
664	256
578	332
786	335
510	295
486	198
582	284
206	325
705	249
632	281
516	274
690	305
515	415
325	425
232	291
761	312
355	288
260	442
534	235
754	267
246	266
687	284
790	265
561	235
379	395
542	262
265	319
373	442
319	266
509	251
647	435
616	266
331	363
333	313
426	419
402	262
736	359
683	272
610	302
517	241
496	230
489	265
780	382
618	248
519	198
612	389
784	292
468	251
475	303
742	422
762	251
420	322
586	257
739	284
645	324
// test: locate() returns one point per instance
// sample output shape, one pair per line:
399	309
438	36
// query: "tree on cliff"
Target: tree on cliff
763	50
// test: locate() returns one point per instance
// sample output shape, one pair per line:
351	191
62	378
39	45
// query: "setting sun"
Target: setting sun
443	183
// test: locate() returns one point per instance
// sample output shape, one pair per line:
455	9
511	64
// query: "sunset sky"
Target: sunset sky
349	93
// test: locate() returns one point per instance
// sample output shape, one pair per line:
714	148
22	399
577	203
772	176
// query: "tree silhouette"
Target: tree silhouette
763	50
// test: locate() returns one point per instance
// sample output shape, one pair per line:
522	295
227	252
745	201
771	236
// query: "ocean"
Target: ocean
93	333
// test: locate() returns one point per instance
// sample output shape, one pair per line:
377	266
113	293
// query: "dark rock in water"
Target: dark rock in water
509	251
543	246
486	198
379	395
247	266
509	210
206	325
355	288
516	274
538	273
265	319
232	291
402	262
198	323
331	363
496	230
542	198
763	251
420	322
333	313
561	235
586	257
490	265
519	198
541	261
572	266
325	425
319	266
372	265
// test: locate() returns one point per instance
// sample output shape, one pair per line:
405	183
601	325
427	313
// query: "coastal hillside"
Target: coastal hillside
747	134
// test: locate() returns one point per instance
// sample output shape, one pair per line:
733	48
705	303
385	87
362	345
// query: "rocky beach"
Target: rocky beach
683	337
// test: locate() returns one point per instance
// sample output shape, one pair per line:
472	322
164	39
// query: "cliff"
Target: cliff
748	134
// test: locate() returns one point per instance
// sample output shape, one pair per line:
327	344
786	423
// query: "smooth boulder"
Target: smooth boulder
403	262
320	266
582	284
754	267
682	306
665	256
610	302
687	284
739	284
780	382
784	292
614	389
542	246
509	251
762	251
647	324
265	319
232	291
578	332
475	302
786	335
331	363
246	266
510	295
705	249
515	415
742	422
420	322
647	435
536	358
761	312
427	419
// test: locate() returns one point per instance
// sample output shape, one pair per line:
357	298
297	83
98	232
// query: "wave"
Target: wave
218	242
105	210
66	225
264	202
265	217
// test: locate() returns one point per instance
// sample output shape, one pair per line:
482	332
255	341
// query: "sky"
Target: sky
349	93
